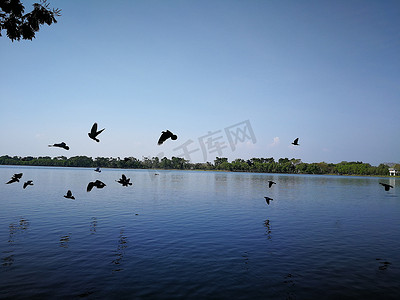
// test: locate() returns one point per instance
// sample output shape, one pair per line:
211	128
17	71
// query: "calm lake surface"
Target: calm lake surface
197	235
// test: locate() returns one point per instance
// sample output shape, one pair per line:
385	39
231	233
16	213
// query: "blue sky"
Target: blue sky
327	72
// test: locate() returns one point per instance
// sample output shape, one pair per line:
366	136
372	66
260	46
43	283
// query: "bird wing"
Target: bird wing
19	175
385	184
63	145
164	136
99	184
29	182
268	199
90	186
98	132
123	177
296	140
94	129
69	193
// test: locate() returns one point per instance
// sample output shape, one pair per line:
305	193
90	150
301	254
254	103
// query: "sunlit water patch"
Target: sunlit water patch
192	234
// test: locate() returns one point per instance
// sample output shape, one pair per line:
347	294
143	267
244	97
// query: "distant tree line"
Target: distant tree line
261	165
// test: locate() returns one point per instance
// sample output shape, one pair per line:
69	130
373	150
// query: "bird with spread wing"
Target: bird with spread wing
94	133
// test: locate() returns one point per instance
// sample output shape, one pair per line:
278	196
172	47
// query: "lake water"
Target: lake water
197	235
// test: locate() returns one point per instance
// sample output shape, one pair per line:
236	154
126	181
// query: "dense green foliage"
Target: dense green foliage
262	165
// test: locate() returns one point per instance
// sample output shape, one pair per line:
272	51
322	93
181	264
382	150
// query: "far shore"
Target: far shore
203	170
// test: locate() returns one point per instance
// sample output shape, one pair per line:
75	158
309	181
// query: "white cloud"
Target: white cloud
276	142
39	136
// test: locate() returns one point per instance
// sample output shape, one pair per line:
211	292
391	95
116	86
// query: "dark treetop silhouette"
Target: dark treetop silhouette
387	186
15	178
94	133
96	183
69	195
61	145
124	181
29	182
268	199
17	24
166	135
296	142
270	183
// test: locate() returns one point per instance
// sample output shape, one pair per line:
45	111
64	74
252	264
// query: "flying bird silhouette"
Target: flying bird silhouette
60	145
124	181
166	135
97	170
12	180
270	183
15	178
268	199
69	195
296	142
29	182
96	183
387	186
94	133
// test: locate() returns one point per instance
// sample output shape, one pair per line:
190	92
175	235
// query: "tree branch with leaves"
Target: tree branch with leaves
19	25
